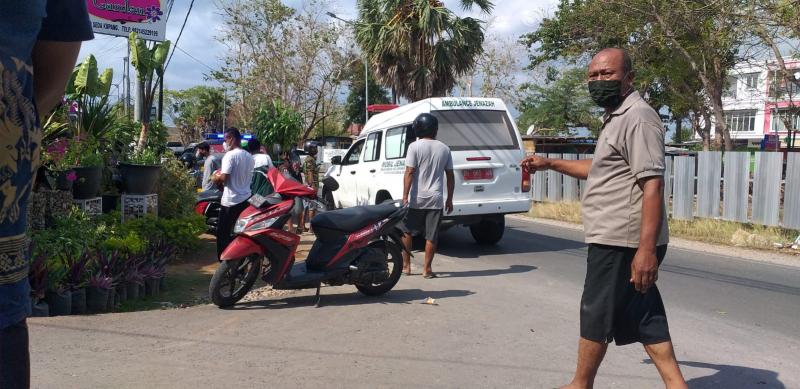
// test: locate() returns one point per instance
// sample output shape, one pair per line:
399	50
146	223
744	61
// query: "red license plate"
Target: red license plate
478	174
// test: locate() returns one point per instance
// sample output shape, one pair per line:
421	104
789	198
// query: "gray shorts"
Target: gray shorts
423	222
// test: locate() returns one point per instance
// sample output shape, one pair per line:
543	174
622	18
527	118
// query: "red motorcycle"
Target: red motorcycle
358	246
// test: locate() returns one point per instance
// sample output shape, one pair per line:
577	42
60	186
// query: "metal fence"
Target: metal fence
710	185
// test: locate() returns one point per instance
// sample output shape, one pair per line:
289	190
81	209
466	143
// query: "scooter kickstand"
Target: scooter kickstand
318	296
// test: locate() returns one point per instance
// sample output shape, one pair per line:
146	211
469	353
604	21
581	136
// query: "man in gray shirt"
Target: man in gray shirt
212	163
428	161
625	224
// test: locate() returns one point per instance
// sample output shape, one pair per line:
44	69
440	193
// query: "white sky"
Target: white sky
510	18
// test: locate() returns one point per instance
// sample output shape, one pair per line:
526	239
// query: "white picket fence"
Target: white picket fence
711	185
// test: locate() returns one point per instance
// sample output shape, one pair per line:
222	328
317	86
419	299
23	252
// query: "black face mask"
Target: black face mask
606	93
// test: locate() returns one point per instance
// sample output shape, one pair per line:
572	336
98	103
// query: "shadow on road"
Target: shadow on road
728	376
458	243
488	272
397	296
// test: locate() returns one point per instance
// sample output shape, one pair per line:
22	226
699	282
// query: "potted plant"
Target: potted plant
76	281
152	278
58	295
38	281
99	287
133	278
140	171
95	119
58	172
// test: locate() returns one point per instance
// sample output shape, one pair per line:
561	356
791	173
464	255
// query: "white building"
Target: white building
756	102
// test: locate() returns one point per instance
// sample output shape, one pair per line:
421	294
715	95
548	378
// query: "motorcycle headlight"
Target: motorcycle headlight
264	224
239	226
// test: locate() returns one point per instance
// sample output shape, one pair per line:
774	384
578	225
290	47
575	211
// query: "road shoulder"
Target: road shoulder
685	244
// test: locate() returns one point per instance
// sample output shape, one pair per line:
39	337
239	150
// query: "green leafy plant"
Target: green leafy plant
90	90
147	156
176	190
56	276
147	61
277	123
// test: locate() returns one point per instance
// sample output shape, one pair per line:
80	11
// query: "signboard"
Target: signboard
148	18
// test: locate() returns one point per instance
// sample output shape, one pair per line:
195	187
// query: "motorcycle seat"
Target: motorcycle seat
209	195
353	219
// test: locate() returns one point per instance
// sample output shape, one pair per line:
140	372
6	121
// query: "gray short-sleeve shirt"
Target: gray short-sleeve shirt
431	159
630	147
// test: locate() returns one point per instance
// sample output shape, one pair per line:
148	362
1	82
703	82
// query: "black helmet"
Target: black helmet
311	147
426	126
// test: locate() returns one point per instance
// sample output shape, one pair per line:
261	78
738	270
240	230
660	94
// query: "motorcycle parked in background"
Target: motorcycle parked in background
357	246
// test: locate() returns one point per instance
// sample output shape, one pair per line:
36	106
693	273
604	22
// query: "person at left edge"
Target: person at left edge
40	39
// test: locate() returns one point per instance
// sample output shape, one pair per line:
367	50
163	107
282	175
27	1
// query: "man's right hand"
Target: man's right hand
405	201
535	163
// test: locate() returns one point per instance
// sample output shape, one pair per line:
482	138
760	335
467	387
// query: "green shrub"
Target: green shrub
176	190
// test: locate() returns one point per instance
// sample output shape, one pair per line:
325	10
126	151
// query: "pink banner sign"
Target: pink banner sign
121	17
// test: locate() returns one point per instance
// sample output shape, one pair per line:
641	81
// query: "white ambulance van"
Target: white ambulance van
486	149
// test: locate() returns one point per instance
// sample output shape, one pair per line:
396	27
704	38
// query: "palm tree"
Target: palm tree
418	47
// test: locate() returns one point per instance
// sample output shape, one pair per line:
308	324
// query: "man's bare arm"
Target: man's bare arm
52	66
577	168
408	177
644	269
451	187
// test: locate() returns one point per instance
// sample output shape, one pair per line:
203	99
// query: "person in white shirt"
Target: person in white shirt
260	158
235	175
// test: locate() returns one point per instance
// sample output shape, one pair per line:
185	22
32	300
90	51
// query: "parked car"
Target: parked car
176	147
486	150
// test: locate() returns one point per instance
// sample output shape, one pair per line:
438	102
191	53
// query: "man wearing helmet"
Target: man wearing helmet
428	161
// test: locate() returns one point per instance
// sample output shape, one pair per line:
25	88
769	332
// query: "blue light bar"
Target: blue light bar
220	136
247	137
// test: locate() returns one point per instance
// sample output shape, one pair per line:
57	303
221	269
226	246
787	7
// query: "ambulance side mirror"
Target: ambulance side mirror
336	160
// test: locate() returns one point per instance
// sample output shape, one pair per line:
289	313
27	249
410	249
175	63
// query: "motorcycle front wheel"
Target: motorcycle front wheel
233	279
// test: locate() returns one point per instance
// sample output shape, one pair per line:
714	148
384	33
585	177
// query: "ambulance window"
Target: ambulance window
354	153
476	130
373	147
397	141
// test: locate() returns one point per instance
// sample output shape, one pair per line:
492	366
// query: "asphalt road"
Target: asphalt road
505	316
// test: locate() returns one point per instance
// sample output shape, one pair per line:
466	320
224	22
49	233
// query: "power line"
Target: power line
194	58
179	35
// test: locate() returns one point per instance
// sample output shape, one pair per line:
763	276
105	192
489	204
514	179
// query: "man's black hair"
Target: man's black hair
627	64
203	146
253	146
234	132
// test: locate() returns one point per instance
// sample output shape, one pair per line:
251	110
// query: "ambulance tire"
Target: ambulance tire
488	231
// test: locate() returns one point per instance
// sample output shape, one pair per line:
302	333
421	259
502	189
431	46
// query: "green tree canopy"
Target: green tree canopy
419	48
560	106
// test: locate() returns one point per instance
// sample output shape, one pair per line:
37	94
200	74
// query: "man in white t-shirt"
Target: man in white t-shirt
235	175
260	158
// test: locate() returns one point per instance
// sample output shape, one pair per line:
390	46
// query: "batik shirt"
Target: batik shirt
22	23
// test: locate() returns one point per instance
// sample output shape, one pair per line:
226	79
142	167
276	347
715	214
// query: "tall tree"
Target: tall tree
703	37
278	53
419	48
196	110
561	106
495	72
355	106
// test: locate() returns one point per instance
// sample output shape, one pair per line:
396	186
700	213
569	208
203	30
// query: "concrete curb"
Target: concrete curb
685	244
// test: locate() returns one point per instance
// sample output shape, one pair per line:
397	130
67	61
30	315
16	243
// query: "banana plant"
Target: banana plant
90	90
149	64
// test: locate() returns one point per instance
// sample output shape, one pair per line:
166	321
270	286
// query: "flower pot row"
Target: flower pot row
94	299
85	182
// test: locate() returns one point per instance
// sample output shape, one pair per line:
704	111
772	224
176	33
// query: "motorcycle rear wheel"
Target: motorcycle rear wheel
395	263
233	279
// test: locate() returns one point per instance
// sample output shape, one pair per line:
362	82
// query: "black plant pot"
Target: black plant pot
87	184
142	290
122	293
110	203
59	303
39	309
132	290
151	287
97	299
61	181
162	284
79	301
139	179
